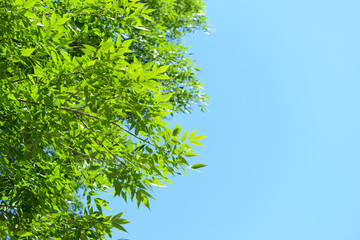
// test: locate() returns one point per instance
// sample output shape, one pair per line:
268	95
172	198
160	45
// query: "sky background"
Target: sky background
283	124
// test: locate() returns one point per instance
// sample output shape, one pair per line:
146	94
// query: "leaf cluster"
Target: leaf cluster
86	88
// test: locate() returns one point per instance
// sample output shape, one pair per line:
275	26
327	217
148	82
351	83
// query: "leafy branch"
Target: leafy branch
87	127
88	115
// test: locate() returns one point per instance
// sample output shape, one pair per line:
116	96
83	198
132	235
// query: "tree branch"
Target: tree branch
130	133
88	115
101	100
8	206
100	141
26	151
2	183
73	95
22	132
10	42
85	155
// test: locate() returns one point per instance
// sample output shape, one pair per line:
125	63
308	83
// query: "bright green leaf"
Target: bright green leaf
27	52
197	166
192	134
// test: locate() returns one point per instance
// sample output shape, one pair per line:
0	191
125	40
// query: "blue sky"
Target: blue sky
283	126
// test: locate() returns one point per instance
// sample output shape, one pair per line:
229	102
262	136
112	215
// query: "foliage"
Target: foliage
86	89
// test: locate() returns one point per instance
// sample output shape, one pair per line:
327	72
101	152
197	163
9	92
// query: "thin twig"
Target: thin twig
46	215
5	117
26	151
18	80
7	74
10	42
47	13
99	141
98	101
11	214
8	206
141	139
73	95
10	160
19	219
2	183
91	116
22	132
85	155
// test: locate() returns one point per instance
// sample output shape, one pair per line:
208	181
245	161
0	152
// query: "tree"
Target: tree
86	91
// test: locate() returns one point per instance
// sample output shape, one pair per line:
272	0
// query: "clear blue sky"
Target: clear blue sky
283	125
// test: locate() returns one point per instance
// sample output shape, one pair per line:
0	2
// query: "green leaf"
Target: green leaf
118	41
166	97
12	97
90	48
163	69
197	166
198	138
29	14
183	138
158	96
176	130
27	52
117	216
19	2
54	57
53	18
141	28
147	17
29	3
192	134
62	21
196	143
126	43
190	154
23	233
118	226
121	221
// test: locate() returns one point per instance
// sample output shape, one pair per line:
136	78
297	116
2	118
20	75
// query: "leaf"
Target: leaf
198	138
12	97
141	28
118	226
54	57
126	43
176	130
190	154
62	21
166	97
27	52
23	233
192	134
118	41
183	138
19	2
117	216
158	96
29	3
53	18
89	47
147	17
121	221
163	69
196	143
160	76
29	14
197	166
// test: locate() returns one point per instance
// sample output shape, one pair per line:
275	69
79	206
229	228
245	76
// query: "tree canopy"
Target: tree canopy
86	91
